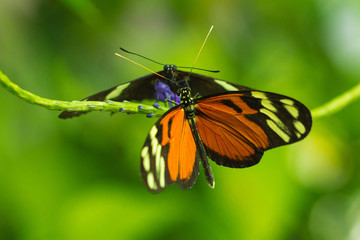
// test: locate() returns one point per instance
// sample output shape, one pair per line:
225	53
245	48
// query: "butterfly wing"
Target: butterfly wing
205	85
136	90
144	88
169	154
237	127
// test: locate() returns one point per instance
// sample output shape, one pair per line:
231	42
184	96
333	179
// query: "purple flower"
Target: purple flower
175	98
156	105
151	115
163	93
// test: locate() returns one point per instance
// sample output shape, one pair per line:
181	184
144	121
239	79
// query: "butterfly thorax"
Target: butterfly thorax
187	102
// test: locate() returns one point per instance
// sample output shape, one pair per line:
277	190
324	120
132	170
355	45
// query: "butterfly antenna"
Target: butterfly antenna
119	55
136	54
201	69
202	46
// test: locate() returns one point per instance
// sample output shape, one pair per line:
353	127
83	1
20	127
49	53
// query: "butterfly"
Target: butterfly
228	123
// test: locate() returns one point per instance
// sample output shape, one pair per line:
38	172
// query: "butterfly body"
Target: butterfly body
188	105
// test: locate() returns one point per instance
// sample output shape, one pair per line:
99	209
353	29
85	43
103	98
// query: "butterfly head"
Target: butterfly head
169	70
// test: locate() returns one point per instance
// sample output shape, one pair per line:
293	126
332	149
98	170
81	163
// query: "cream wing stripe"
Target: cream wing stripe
268	104
300	127
226	85
146	158
116	92
278	131
151	181
292	110
162	172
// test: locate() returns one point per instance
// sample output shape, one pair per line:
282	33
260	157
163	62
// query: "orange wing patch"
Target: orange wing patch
169	154
229	137
182	148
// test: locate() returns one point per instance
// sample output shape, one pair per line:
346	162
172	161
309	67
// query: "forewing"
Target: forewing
143	88
135	90
169	154
236	128
205	85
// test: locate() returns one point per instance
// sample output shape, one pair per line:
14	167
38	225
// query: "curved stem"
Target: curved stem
337	103
86	106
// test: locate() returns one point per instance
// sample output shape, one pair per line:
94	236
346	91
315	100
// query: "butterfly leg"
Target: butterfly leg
171	103
196	95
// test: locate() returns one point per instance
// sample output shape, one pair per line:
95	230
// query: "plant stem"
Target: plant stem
86	106
337	103
327	109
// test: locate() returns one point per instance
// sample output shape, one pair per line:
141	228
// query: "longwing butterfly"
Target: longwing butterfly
230	124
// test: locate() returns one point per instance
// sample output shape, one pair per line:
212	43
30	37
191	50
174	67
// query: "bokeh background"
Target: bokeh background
80	178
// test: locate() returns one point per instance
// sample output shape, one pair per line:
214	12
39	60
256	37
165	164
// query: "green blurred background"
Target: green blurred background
80	178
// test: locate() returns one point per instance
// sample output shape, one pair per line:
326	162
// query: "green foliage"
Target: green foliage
79	178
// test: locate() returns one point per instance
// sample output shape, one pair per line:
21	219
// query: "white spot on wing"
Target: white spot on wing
154	141
116	92
300	127
162	172
275	119
287	101
153	132
268	104
292	110
278	131
154	145
146	158
151	181
260	95
226	86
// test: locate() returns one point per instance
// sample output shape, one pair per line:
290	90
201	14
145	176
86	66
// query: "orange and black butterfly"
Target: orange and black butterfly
230	124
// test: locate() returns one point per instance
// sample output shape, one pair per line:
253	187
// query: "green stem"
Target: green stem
329	108
337	103
87	106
